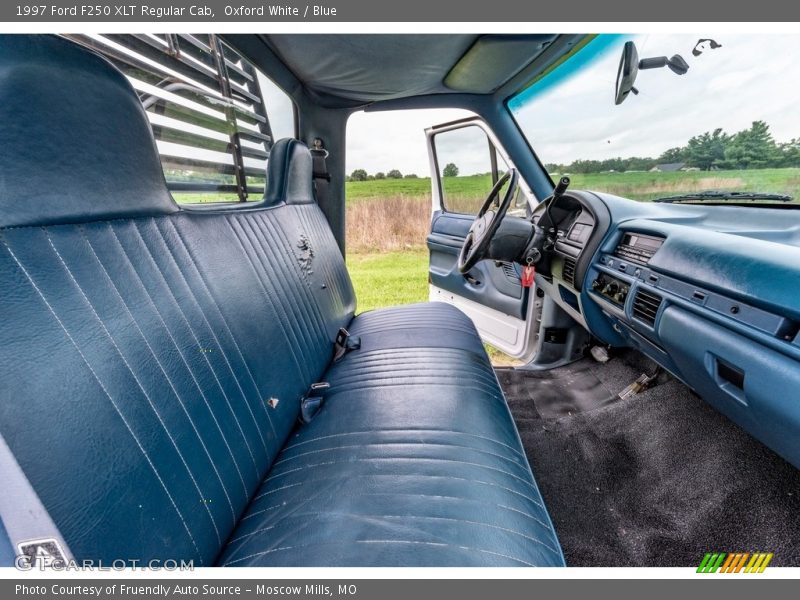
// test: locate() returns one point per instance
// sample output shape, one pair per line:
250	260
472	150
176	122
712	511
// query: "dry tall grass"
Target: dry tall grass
388	224
401	221
398	222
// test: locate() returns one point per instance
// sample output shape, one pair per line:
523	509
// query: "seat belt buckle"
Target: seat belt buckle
311	403
344	343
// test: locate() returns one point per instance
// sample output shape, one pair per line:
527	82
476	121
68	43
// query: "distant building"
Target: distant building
668	167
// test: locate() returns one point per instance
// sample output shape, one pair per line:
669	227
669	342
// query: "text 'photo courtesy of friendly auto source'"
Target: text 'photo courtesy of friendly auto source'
168	590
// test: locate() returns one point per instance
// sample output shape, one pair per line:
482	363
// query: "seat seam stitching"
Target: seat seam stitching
178	349
413	495
419	476
197	341
295	315
304	284
163	371
442	544
108	395
274	476
301	321
268	296
222	351
214	303
372	432
383	444
135	377
295	287
418	517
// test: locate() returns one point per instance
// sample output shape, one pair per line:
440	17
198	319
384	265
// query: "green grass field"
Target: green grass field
647	186
389	278
470	186
633	185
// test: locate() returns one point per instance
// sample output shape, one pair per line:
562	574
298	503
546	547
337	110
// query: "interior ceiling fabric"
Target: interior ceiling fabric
368	68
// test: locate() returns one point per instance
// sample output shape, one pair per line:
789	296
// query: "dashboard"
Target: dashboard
711	293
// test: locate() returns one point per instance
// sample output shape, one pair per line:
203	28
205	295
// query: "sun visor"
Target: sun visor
493	60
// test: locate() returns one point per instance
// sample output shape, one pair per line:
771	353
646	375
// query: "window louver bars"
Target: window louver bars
205	105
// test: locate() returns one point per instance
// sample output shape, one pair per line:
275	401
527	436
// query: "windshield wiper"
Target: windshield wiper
724	196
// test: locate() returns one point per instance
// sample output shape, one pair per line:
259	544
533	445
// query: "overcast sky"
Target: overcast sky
750	77
380	141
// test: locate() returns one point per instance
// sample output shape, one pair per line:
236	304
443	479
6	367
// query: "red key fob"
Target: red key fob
528	274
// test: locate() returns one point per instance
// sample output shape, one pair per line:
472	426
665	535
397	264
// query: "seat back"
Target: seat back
153	357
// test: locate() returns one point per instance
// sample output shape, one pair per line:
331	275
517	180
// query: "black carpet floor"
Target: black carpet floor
657	479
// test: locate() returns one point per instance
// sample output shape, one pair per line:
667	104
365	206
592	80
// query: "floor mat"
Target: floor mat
557	393
655	480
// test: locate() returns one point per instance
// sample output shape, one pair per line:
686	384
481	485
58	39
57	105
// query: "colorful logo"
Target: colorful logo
734	562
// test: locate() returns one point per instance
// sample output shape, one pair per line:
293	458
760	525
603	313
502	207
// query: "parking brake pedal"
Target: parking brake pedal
641	384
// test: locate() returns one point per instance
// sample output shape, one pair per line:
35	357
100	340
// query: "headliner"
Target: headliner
366	68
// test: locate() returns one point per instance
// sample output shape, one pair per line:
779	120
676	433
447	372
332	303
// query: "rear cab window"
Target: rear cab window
214	115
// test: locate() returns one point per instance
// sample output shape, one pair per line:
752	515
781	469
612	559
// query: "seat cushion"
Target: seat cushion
425	325
413	460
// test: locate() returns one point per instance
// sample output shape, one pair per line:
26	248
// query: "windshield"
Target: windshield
729	123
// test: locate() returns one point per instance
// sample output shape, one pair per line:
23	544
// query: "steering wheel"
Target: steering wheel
486	222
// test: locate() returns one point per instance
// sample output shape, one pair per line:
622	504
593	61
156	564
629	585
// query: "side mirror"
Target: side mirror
629	66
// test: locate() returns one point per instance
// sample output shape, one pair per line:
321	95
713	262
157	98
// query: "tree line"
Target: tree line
751	148
362	175
450	170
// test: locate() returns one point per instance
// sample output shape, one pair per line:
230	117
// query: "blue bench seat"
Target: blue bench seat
155	357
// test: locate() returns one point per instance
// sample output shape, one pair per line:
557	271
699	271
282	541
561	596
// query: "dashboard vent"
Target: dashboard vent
645	306
509	271
568	271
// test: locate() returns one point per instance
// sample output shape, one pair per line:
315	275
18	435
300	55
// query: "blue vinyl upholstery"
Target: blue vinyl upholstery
413	460
154	359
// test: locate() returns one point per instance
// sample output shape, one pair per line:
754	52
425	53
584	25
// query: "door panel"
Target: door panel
493	284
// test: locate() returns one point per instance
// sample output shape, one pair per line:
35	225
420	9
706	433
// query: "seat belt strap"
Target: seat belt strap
321	176
30	529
